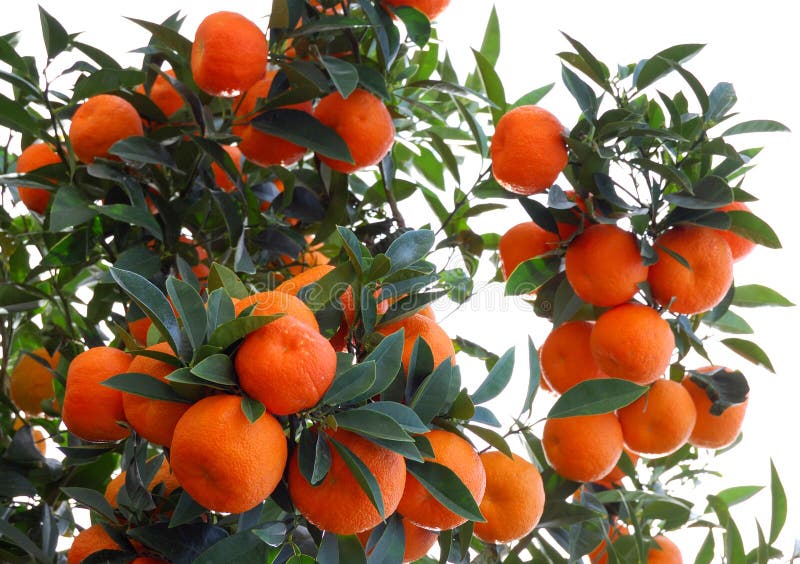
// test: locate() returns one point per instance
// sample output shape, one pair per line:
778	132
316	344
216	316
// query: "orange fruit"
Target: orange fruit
528	151
664	552
338	504
583	448
91	410
221	178
514	499
33	157
633	342
286	365
419	506
201	268
705	282
155	420
575	216
599	555
566	357
713	431
418	541
363	122
91	540
164	476
222	460
522	242
148	560
299	281
31	383
740	246
138	328
99	123
603	265
271	302
38	436
426	329
229	54
163	94
306	260
613	478
262	148
431	8
660	421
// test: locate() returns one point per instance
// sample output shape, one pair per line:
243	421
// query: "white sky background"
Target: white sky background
754	47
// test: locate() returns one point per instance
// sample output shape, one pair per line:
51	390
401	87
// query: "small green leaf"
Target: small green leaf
305	130
343	74
445	485
230	332
186	510
93	500
362	475
372	423
430	398
144	385
582	92
132	215
351	384
70	207
496	380
492	437
492	85
217	368
143	150
593	397
662	63
534	96
418	26
191	310
387	357
14	116
756	295
221	276
252	409
402	415
534	377
168	37
352	247
723	388
756	126
409	248
721	99
55	36
779	504
749	351
531	274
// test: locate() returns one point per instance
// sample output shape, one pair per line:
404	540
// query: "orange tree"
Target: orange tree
209	286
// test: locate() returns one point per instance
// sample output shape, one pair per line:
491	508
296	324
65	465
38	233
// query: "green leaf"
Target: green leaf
168	37
352	247
126	214
351	384
490	46
217	368
371	423
191	310
55	36
14	116
387	357
230	332
221	276
362	475
252	409
737	494
409	248
710	193
721	99
723	388
144	385
492	85
418	26
143	150
593	397
534	377
401	414
751	227
492	437
431	396
305	130
153	303
534	96
779	504
755	126
106	80
445	485
12	534
734	548
496	380
589	64
93	500
756	295
582	92
314	459
531	274
474	126
343	74
219	309
244	546
749	351
662	63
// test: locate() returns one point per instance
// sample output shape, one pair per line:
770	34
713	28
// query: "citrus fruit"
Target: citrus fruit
527	150
229	54
90	540
100	122
31	383
363	122
271	302
713	431
603	265
522	242
419	506
704	282
286	365
568	220
338	504
583	448
225	462
221	178
163	94
633	342
91	410
33	157
425	328
514	499
163	476
299	281
740	246
664	552
599	555
418	541
613	478
566	357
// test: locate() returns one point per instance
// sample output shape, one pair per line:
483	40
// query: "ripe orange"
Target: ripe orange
431	8
599	555
708	278
528	151
576	216
363	122
286	365
713	431
664	552
138	328
299	281
33	157
91	540
271	302
262	148
304	261
566	356
163	94
91	410
229	54
583	448
163	476
450	450
522	242
429	331
514	498
338	504
633	342
31	383
222	460
740	247
99	123
603	265
418	541
613	478
660	421
221	178
155	420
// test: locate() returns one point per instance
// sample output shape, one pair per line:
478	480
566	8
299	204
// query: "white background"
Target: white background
755	47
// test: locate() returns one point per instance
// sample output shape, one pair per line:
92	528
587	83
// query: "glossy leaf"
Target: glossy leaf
446	487
343	74
362	475
749	351
592	397
497	379
144	385
756	295
351	383
779	504
217	369
190	308
303	129
531	274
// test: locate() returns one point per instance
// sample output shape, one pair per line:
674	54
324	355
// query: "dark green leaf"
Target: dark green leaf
662	63
721	99
534	96
10	533
723	388
343	74
409	248
230	332
710	193
305	130
126	214
252	409
582	92
93	500
387	357
430	398
352	247
531	274
143	150
182	544
14	116
167	37
372	423
403	415
362	475
734	549
751	227
533	378
244	546
444	485
351	384
750	351
55	36
144	385
492	85
217	368
592	397
417	24
107	80
190	308
492	437
496	380
593	68
186	510
222	277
